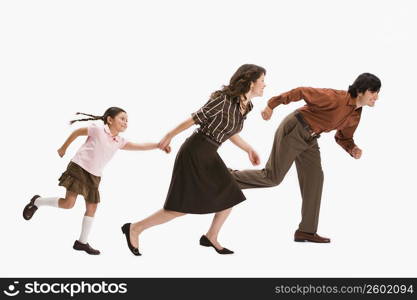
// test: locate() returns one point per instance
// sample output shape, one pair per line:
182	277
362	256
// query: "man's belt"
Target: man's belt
306	126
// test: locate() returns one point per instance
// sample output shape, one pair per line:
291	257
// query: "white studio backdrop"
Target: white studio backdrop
160	60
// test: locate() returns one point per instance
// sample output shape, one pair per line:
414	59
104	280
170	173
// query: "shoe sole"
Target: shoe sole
85	251
308	241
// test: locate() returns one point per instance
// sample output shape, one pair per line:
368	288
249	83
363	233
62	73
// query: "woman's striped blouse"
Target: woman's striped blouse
220	118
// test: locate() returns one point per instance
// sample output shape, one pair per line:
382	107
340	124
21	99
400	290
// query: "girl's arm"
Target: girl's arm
76	133
166	140
142	146
253	156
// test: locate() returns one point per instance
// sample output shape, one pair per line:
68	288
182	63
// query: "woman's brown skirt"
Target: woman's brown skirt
201	182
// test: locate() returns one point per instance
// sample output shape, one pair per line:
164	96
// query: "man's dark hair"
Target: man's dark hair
364	82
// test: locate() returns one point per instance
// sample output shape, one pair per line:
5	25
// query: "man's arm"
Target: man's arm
293	95
312	96
344	137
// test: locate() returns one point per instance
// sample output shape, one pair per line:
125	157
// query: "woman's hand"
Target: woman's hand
167	149
254	157
266	113
166	140
164	143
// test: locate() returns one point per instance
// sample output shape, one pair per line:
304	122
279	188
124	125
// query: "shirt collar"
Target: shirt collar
108	132
249	104
351	101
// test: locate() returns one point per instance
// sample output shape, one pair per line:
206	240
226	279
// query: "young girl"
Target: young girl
83	173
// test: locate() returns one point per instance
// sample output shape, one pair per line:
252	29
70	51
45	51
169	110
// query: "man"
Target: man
296	140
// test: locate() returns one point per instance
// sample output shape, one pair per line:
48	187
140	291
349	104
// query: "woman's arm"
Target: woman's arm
76	133
253	156
166	140
238	141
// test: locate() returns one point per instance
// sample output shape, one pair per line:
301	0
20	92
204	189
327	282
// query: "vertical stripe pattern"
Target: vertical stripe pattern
220	118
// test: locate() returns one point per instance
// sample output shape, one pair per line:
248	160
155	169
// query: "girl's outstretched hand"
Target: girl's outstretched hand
61	152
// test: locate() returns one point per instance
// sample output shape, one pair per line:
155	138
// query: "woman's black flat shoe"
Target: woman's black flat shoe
204	241
126	231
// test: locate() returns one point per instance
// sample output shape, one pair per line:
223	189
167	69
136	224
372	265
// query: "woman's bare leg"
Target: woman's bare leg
217	223
160	217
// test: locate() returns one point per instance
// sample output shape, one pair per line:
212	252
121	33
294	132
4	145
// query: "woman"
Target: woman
201	183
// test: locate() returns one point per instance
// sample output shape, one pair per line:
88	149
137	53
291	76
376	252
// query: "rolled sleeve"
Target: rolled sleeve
344	136
209	110
312	96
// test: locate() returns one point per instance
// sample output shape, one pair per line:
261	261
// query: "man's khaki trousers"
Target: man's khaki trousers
292	143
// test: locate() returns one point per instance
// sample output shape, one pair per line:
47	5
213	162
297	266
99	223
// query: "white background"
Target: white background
160	60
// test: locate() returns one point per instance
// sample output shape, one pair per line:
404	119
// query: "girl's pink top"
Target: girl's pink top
98	149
